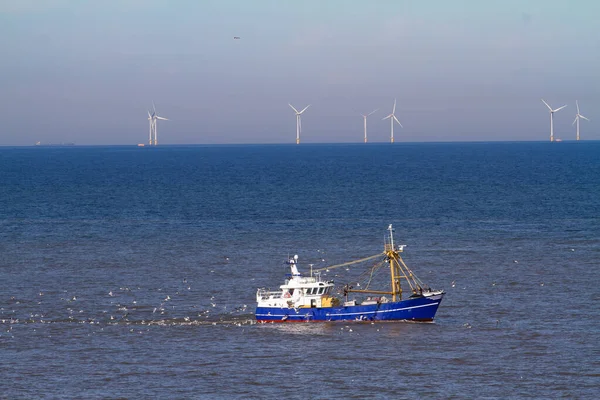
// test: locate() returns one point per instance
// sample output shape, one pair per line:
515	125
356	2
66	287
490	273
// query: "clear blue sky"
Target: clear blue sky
87	71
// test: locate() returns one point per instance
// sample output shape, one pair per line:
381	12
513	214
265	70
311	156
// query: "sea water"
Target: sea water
132	272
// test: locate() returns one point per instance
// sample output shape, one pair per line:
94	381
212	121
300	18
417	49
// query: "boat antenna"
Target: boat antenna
391	235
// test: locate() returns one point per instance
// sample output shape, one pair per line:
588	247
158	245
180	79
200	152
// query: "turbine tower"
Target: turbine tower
365	118
577	116
552	119
393	118
298	121
153	137
151	134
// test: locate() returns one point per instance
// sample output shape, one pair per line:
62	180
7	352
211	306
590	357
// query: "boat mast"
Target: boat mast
392	257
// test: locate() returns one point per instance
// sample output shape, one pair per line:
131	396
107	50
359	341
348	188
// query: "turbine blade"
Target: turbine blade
559	108
153	108
575	120
372	111
304	109
549	108
293	108
164	119
577	104
389	116
394	110
396	119
581	116
149	116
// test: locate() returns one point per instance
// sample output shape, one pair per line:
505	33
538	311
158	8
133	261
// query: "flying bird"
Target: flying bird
236	37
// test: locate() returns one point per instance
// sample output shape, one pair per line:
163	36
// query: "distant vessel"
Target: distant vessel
311	298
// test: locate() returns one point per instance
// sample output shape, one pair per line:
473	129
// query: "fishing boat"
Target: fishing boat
312	298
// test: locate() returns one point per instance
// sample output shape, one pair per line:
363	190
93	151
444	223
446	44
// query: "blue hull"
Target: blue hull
420	309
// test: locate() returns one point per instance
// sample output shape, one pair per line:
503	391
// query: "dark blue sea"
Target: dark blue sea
131	272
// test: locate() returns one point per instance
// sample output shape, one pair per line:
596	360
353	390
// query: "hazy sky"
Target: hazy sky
88	71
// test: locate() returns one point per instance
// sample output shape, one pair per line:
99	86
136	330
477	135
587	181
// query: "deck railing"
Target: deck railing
265	294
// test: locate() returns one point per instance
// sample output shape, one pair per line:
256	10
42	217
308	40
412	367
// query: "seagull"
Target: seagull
236	37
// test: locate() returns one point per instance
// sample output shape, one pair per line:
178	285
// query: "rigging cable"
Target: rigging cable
349	263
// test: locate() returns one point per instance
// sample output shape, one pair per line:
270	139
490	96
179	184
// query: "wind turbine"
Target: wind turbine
365	118
393	118
153	138
577	116
298	122
552	119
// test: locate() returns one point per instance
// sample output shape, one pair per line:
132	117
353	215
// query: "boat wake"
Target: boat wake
247	319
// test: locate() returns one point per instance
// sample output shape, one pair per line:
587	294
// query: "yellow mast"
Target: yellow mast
392	257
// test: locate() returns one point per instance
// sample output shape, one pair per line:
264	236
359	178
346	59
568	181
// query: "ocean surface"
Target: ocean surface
132	272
